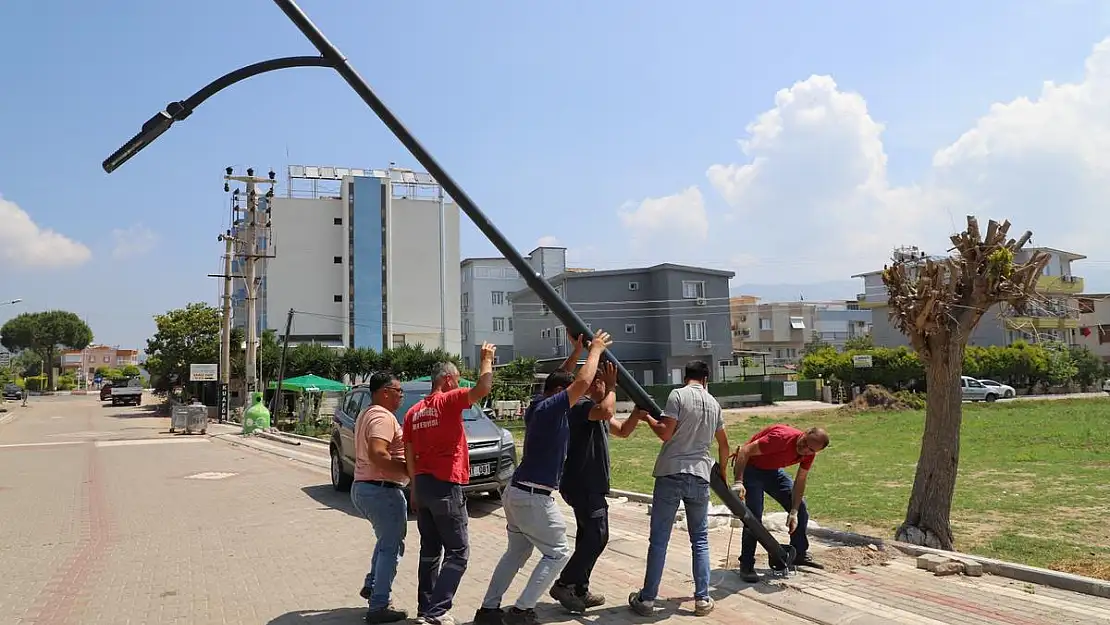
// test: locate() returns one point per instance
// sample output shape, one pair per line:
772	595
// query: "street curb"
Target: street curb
299	437
1000	568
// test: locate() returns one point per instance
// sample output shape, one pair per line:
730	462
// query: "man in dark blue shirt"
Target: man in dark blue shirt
585	484
533	519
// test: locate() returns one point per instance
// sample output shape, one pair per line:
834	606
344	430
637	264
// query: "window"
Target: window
633	286
692	289
497	298
107	359
695	330
545	333
338	260
630	328
510	324
1086	306
465	302
481	272
797	323
560	336
398	340
337	221
465	329
764	324
544	309
338	299
498	324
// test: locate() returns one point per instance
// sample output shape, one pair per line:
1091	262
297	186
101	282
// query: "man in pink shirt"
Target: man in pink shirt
377	492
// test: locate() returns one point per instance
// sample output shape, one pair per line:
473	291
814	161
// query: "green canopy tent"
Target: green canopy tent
310	382
462	382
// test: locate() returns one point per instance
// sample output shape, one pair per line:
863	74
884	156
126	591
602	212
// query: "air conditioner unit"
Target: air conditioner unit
633	286
700	301
706	344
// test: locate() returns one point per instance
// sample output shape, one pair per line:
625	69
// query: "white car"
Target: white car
1005	391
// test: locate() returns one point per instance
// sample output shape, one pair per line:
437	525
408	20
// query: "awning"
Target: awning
310	383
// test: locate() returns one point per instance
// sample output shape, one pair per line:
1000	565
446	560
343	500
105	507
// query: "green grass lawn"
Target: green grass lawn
1033	487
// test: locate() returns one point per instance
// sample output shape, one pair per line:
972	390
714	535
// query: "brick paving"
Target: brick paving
105	519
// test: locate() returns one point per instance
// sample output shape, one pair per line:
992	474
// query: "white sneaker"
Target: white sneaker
703	607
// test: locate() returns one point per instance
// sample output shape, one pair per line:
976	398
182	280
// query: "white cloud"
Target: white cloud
679	221
24	244
548	241
814	188
138	240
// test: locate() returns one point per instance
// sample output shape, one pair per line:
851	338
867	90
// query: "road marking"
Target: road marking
210	475
15	445
149	441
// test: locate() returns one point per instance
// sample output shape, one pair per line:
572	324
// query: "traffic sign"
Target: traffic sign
204	373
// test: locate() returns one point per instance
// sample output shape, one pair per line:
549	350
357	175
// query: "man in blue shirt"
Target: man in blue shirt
532	516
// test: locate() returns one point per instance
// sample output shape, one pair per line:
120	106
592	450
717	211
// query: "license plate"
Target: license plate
481	470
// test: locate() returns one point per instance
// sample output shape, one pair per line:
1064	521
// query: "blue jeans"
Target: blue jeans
777	484
670	490
387	511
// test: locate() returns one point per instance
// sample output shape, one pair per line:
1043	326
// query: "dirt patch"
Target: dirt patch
844	559
878	398
1094	566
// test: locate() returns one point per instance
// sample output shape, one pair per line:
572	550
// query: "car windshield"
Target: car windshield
474	413
990	382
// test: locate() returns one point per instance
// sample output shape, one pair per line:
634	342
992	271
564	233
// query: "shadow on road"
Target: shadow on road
137	412
327	496
321	617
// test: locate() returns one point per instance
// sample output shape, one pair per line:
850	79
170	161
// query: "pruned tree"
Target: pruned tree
937	304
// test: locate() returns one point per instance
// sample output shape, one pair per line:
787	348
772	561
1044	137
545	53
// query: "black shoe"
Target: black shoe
489	616
514	616
366	592
568	598
388	614
808	562
748	574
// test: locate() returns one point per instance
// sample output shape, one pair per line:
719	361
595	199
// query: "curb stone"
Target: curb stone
1000	568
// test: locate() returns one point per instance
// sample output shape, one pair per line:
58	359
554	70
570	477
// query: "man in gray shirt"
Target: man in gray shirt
690	423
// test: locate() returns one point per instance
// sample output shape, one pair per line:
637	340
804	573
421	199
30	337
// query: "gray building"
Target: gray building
486	299
660	318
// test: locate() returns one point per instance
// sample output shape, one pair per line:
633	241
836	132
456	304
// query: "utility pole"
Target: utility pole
225	331
442	273
281	363
250	272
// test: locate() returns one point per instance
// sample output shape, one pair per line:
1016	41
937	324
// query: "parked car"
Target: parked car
127	391
1106	386
106	391
974	390
13	391
1005	391
493	455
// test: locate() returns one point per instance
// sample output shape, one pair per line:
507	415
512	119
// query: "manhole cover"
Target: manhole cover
210	475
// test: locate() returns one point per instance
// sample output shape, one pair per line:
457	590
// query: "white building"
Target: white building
486	301
366	258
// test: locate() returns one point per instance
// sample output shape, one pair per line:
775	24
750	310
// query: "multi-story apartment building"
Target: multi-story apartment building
782	329
486	299
1052	315
1094	323
660	318
366	258
85	362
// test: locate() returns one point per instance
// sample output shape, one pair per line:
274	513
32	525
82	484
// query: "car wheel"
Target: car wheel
1009	395
339	479
991	397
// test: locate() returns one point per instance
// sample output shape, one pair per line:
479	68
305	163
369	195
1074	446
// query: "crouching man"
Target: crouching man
758	469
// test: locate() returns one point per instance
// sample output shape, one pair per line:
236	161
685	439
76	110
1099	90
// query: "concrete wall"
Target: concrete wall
413	266
303	275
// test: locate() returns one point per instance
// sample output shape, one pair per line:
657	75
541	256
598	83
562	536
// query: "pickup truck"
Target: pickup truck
126	392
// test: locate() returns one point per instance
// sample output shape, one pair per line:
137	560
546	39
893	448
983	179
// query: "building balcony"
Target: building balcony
1069	285
1041	323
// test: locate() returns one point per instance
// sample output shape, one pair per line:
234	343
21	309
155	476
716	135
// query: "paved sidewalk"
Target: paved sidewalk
107	518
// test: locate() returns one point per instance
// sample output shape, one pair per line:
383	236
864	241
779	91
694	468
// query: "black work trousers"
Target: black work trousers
591	514
441	517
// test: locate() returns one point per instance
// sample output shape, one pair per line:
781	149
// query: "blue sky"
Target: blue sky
596	124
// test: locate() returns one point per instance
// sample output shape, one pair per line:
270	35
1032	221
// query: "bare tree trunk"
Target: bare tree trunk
927	517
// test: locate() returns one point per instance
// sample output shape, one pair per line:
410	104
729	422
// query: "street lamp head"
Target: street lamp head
152	129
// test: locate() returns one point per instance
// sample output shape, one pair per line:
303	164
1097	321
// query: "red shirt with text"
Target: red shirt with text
778	448
434	428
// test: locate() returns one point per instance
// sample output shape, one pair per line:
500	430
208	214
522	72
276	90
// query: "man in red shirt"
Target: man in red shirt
439	465
758	468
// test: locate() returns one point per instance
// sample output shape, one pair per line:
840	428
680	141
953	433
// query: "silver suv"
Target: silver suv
492	448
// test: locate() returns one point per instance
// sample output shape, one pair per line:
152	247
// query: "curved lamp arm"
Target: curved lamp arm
177	111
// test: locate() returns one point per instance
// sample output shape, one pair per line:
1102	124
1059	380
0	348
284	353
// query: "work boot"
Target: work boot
748	574
568	598
388	614
639	606
516	616
591	600
489	616
808	562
